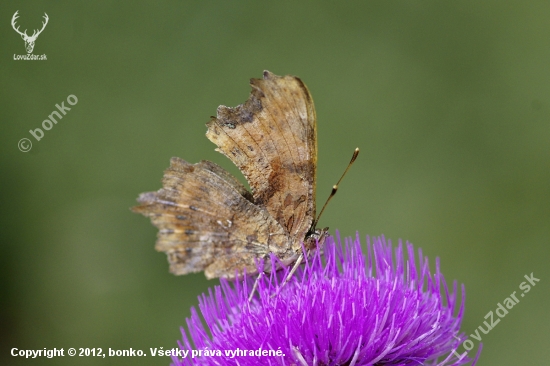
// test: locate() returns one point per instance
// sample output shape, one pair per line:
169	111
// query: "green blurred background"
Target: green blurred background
449	102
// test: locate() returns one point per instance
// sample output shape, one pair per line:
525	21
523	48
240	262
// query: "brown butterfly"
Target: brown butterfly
208	221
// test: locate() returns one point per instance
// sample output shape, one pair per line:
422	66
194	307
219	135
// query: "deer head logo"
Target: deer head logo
29	40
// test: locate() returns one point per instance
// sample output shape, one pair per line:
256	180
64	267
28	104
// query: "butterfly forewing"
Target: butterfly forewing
272	139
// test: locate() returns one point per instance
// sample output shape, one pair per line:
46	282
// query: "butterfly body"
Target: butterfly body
208	221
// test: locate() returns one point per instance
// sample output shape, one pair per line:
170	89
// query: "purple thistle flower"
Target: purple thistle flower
339	309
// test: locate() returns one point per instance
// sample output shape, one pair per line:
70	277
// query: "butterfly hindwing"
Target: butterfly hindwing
207	222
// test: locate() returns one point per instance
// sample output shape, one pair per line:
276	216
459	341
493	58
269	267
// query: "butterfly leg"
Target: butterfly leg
299	261
294	268
255	287
314	241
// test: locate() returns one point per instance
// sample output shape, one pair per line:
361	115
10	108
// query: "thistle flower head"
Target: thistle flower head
342	308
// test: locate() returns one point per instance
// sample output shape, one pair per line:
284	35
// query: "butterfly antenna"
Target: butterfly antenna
335	187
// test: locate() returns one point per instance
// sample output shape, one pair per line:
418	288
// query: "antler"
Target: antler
13	19
24	34
35	35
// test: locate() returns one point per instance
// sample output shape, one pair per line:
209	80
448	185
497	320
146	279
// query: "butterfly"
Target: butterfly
208	221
